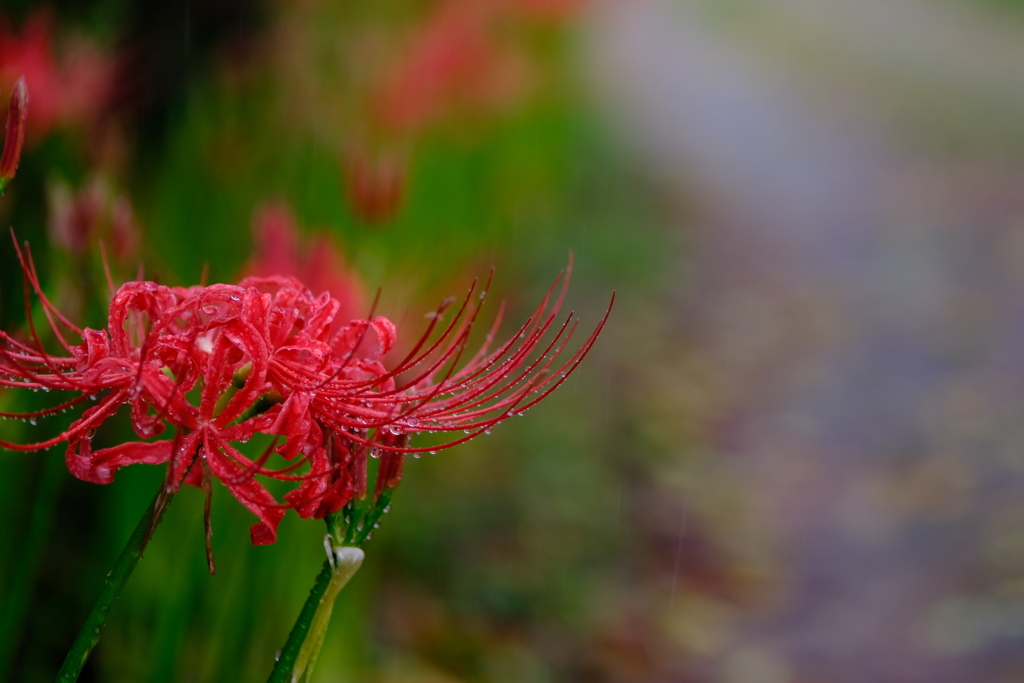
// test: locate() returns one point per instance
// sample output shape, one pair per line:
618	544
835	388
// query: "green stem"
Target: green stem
290	652
299	654
89	635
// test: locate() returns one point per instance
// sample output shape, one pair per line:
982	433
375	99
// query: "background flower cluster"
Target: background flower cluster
793	456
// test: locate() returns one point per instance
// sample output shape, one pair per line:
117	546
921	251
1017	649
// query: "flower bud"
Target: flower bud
15	133
374	185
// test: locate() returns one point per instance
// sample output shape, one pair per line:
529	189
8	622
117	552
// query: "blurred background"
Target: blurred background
794	455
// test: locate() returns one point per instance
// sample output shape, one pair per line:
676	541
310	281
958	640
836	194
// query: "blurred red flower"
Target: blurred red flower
80	220
277	251
70	90
453	58
374	183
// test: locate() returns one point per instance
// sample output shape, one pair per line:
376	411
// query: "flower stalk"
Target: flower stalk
347	530
300	652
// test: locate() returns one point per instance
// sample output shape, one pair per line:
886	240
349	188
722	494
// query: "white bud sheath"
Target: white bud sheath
345	562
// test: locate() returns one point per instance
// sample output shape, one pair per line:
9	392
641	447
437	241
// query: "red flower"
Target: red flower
222	363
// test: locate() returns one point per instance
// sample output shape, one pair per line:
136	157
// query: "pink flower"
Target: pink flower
223	363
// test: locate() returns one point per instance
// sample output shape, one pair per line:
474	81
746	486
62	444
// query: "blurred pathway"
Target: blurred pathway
859	244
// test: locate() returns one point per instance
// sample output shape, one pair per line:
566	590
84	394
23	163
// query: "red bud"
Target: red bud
15	134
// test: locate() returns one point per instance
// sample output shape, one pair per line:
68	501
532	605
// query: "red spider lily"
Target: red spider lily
222	363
